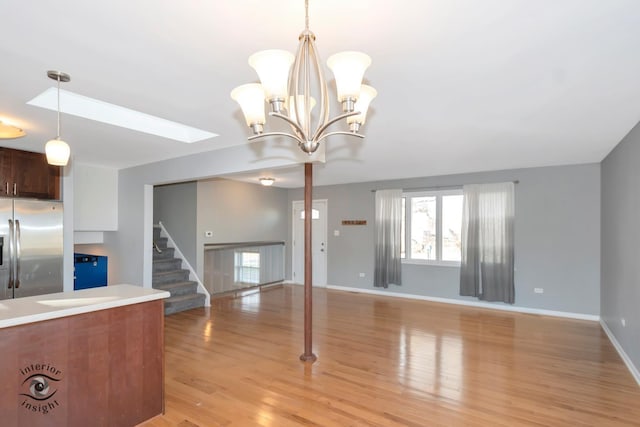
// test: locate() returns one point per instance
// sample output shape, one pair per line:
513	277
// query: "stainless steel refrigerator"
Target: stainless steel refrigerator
30	247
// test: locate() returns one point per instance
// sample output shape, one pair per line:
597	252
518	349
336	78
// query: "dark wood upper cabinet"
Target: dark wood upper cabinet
26	174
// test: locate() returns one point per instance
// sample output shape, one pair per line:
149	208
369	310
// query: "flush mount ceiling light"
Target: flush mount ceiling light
267	182
288	84
10	132
57	150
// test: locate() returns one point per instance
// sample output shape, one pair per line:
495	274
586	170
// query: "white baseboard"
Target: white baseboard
478	304
627	361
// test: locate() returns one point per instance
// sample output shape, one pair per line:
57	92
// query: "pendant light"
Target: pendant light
56	149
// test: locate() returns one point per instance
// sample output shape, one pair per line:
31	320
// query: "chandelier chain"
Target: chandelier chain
306	15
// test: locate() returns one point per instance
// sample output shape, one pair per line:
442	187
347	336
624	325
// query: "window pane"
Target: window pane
423	227
403	253
247	267
451	227
315	214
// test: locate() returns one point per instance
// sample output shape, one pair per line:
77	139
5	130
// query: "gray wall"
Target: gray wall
175	205
620	283
239	212
131	245
556	231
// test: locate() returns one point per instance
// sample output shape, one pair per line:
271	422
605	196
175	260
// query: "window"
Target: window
431	228
315	214
247	267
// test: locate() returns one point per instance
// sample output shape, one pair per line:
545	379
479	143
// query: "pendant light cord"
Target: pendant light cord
58	137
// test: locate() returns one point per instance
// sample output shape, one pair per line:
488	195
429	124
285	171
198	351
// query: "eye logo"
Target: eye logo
39	388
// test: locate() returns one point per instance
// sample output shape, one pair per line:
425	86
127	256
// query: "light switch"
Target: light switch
336	233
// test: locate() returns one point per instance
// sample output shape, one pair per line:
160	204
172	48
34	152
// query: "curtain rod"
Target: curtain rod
444	187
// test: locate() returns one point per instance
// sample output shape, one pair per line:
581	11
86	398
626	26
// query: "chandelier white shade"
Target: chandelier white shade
348	69
273	68
367	93
298	105
292	84
251	100
56	150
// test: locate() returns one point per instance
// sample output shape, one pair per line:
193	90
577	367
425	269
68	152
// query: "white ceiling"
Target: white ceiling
464	85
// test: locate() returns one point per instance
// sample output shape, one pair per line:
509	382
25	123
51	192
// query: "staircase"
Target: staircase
169	276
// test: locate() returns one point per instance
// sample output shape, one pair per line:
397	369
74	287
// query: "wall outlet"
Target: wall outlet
208	234
336	233
538	290
361	274
624	322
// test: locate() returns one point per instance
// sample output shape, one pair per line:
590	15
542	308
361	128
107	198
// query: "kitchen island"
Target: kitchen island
92	357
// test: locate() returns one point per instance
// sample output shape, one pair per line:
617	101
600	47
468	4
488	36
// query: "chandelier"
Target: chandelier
288	83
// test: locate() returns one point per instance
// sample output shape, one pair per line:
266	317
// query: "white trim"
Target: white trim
627	360
431	262
192	274
147	233
478	304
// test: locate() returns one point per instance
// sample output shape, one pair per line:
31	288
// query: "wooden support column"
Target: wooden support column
308	355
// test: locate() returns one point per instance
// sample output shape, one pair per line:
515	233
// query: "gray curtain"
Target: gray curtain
388	224
488	214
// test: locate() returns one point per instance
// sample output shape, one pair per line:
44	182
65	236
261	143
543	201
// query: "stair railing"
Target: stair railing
178	254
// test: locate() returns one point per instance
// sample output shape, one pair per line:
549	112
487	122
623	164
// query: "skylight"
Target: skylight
100	111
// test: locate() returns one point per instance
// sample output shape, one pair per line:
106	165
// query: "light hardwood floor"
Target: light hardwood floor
388	362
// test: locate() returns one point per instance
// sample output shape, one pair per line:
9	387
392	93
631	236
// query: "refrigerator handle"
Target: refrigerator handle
10	254
17	280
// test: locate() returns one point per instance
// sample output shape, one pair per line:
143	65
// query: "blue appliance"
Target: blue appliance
90	271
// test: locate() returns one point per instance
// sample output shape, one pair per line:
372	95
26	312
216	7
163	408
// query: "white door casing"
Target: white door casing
318	242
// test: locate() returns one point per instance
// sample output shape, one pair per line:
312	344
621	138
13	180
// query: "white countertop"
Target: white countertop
20	311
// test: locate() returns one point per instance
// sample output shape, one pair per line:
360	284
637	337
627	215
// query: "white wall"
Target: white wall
95	198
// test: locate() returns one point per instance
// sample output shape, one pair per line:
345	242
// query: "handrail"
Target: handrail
219	246
192	273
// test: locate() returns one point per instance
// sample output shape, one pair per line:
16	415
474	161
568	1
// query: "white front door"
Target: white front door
318	242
